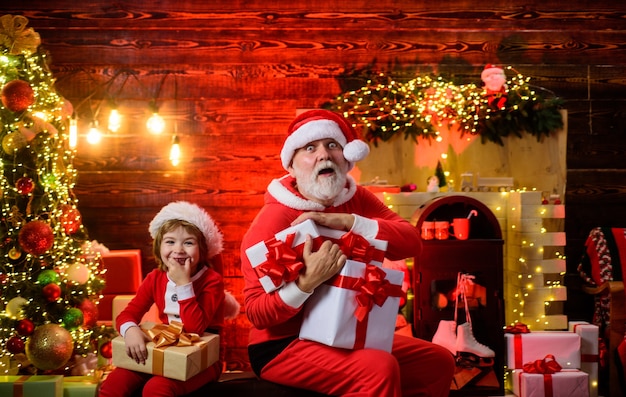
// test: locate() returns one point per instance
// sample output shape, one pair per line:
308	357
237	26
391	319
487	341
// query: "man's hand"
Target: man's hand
135	340
320	265
334	221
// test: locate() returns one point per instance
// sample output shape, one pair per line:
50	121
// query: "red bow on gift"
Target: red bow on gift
282	261
546	366
375	289
518	328
357	248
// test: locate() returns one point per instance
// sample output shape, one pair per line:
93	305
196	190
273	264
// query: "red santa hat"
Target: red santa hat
319	124
193	214
490	69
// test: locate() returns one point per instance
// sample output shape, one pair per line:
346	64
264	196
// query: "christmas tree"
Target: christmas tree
49	279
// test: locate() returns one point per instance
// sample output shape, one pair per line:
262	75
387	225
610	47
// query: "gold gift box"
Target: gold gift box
171	361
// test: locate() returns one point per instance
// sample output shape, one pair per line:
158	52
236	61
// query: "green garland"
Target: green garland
385	108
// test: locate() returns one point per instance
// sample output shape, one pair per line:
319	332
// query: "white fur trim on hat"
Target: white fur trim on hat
322	124
185	211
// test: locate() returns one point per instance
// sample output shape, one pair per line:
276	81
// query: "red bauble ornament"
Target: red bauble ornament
36	237
17	95
51	292
70	218
106	350
25	327
90	313
15	345
24	185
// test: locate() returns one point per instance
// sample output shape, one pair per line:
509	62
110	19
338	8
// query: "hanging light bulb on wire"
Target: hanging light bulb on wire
155	123
175	151
73	134
94	135
115	120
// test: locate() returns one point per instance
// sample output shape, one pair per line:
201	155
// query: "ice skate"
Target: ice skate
467	343
446	335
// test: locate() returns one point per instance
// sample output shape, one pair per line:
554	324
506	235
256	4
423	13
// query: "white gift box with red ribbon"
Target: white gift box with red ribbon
525	347
565	383
356	309
277	260
589	351
360	249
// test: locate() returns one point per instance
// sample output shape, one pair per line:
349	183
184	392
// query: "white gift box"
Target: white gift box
565	383
329	314
589	351
524	348
261	253
258	253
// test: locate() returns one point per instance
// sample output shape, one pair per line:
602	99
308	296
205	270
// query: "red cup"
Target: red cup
428	230
442	230
460	228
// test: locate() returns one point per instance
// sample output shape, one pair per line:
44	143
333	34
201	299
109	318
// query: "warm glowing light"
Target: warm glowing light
115	120
175	151
156	124
94	135
73	134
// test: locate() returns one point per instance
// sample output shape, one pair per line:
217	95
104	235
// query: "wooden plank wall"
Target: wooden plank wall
232	74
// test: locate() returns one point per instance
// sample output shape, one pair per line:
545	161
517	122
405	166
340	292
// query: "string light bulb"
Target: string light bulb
73	133
155	124
175	151
94	135
115	120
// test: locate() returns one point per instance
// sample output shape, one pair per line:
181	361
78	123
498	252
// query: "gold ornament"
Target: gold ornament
13	142
49	347
15	37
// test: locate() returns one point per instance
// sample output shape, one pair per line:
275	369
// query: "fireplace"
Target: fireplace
437	266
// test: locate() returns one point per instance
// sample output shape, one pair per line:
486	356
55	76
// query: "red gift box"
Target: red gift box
122	277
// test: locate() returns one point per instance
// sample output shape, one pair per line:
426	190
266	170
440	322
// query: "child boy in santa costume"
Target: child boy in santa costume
320	149
185	287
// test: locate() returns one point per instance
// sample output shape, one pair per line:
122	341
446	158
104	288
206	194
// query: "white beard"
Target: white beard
322	189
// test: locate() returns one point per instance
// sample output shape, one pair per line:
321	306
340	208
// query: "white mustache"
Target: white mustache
326	164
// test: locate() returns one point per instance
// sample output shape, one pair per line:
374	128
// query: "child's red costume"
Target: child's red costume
199	305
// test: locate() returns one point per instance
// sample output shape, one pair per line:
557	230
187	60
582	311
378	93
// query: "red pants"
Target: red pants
414	368
124	383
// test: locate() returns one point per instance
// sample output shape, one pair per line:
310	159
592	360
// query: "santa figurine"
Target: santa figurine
495	86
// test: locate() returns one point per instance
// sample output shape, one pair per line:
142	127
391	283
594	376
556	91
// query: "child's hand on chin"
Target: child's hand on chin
179	273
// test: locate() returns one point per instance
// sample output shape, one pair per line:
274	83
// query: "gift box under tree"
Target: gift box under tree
35	385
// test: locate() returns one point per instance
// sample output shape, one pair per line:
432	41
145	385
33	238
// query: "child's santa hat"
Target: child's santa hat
193	214
319	124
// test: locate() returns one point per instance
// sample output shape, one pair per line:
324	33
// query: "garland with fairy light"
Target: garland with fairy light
385	107
50	278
